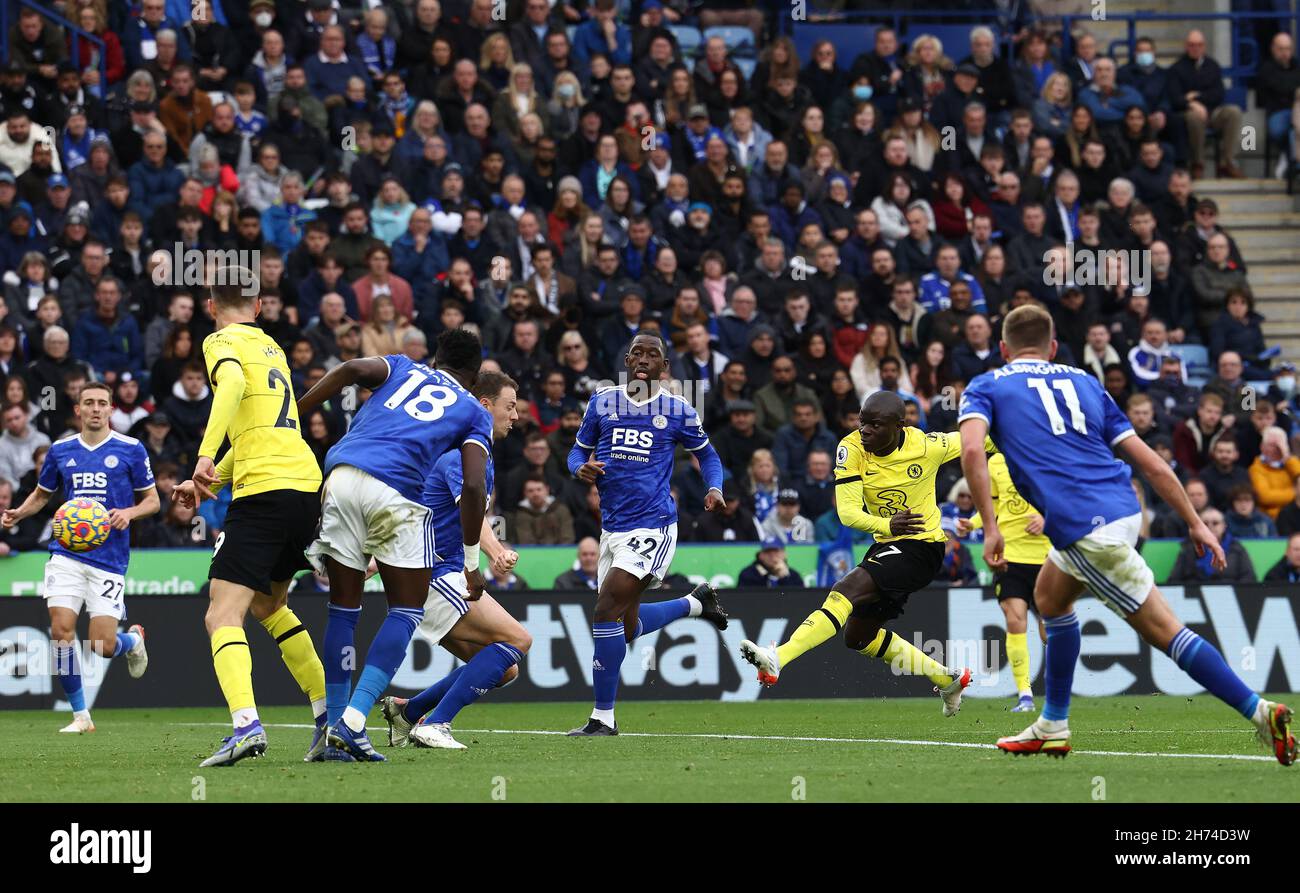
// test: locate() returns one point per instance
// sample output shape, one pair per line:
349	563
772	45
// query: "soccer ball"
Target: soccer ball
81	525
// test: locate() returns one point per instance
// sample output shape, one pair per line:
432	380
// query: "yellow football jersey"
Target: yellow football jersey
264	431
871	489
1013	513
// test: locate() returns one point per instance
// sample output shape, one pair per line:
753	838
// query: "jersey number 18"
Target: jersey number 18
426	406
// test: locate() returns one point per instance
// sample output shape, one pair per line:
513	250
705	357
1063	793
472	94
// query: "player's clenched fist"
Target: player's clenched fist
713	501
590	471
505	562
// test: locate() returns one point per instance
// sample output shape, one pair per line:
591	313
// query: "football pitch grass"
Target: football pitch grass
1127	749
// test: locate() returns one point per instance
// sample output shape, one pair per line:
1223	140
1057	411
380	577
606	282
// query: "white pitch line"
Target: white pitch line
810	739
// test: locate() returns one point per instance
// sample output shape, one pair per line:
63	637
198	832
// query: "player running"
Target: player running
626	446
481	632
272	516
885	485
1026	550
374	477
111	469
1058	430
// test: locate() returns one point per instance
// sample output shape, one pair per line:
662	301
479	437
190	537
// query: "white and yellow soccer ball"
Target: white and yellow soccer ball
81	525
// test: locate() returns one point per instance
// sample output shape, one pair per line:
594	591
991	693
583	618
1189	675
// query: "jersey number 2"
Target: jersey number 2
283	421
1066	387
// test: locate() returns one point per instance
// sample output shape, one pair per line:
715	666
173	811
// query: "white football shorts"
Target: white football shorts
448	601
73	584
647	551
1108	563
361	516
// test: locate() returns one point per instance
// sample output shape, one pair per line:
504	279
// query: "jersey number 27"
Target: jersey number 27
1066	387
426	406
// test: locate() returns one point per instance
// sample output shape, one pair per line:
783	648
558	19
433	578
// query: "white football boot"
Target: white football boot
952	694
765	659
137	659
436	735
80	725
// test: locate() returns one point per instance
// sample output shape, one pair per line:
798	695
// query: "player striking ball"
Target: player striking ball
1058	430
626	446
1026	550
884	484
374	477
481	632
111	469
272	515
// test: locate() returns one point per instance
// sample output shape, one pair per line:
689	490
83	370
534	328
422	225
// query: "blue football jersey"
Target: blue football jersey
441	496
1058	428
111	473
410	420
637	441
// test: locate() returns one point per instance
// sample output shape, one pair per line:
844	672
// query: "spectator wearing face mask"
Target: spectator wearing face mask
1274	472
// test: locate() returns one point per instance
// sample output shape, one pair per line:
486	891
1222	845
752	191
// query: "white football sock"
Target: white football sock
354	719
696	606
244	717
605	716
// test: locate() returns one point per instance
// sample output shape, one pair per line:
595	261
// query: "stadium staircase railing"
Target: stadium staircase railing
9	11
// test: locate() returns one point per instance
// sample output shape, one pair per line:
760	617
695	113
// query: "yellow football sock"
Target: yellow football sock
234	666
820	625
298	652
905	657
1018	657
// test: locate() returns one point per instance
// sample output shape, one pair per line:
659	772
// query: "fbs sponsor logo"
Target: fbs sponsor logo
76	846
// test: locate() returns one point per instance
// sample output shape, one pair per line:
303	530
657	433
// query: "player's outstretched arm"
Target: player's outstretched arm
975	466
1170	489
34	502
473	503
369	372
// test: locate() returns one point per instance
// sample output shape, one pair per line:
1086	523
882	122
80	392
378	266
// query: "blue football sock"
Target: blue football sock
1204	663
657	615
610	649
68	666
385	656
1062	655
481	675
338	654
125	642
426	700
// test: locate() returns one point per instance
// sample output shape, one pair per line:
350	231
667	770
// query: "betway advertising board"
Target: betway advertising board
1255	627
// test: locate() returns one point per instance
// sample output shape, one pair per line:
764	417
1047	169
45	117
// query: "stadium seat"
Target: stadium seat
849	40
955	38
739	40
746	66
1196	362
688	39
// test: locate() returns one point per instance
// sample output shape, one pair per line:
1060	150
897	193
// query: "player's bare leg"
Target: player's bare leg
1016	614
228	606
299	655
406	589
486	625
1054	594
1157	624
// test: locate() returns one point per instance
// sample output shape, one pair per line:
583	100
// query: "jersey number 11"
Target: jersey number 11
1066	387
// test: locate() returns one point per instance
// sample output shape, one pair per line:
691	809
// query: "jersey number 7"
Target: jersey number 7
1066	387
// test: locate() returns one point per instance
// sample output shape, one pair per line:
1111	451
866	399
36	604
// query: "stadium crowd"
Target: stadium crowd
801	232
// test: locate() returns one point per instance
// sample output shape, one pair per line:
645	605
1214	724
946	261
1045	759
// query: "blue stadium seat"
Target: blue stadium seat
740	41
688	39
746	66
955	38
1196	362
849	40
